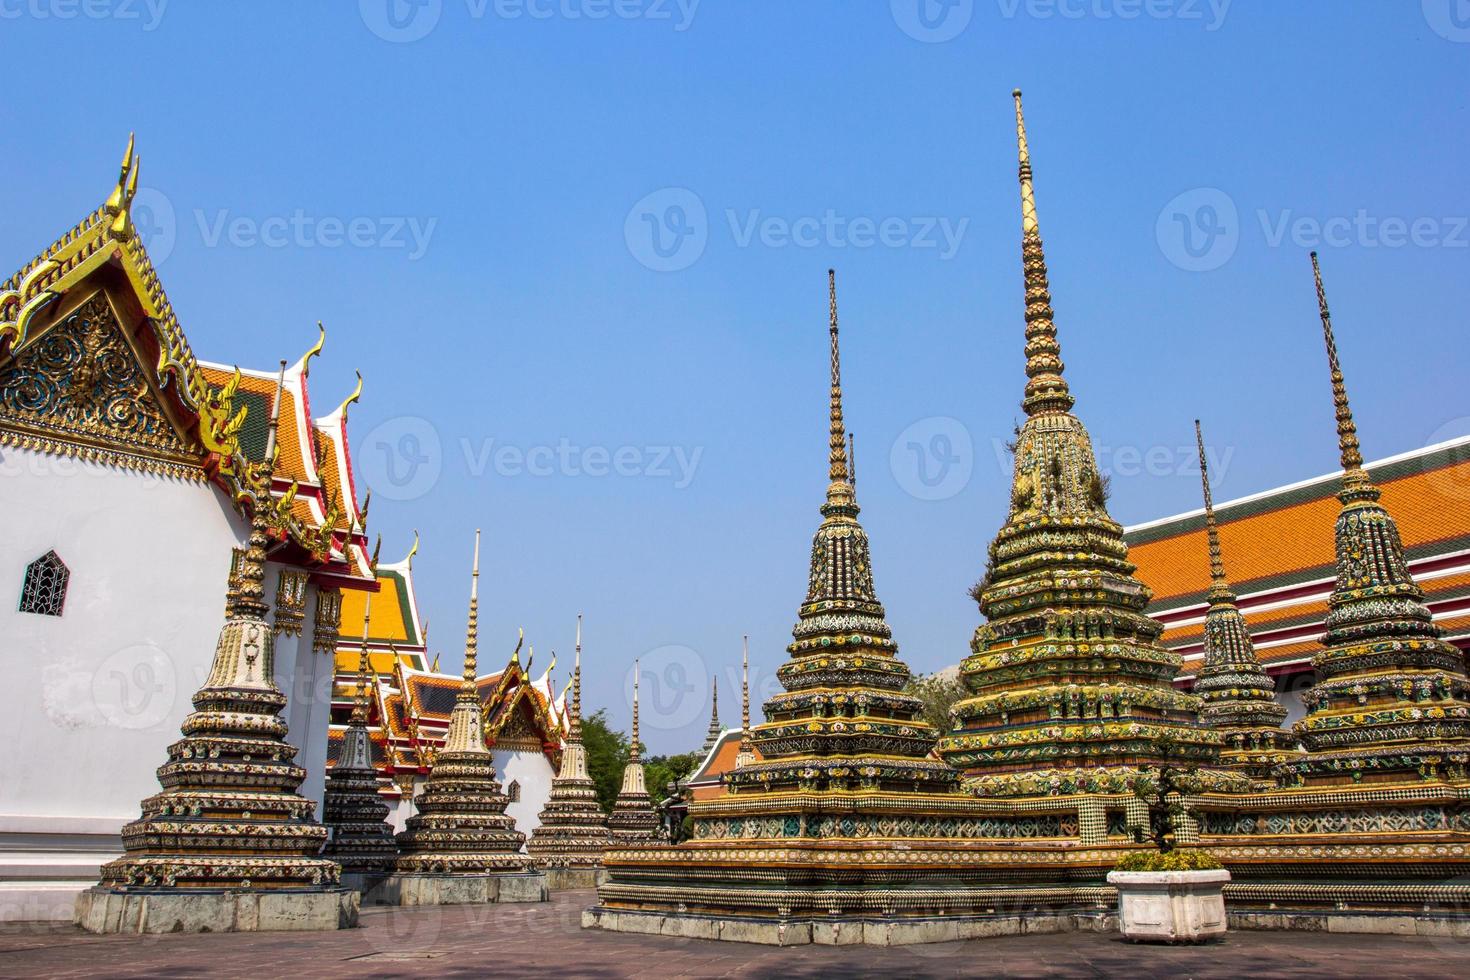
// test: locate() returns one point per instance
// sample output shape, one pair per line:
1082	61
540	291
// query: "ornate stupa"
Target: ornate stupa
633	818
362	841
1071	691
1391	698
712	737
229	844
461	847
1239	696
573	834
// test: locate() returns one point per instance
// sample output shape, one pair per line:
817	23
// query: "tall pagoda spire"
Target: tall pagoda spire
461	827
1071	691
229	816
362	842
573	833
1239	697
633	817
1392	699
843	697
1046	389
745	756
713	735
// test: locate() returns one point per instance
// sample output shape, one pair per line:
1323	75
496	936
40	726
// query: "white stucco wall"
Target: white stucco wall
531	769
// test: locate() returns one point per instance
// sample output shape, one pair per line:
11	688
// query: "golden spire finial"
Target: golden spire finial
360	702
472	628
1347	429
633	748
1045	388
116	199
1219	587
575	735
837	441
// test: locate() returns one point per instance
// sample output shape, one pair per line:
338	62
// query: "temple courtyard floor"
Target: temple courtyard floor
548	941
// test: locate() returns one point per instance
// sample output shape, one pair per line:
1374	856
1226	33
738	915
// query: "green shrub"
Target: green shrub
1182	859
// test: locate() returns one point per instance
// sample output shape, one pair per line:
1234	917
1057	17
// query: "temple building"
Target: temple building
117	442
1283	569
409	702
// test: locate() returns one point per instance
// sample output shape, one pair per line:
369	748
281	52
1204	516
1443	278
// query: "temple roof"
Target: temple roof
1279	552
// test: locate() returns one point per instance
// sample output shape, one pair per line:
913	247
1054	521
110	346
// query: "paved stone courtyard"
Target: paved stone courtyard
547	940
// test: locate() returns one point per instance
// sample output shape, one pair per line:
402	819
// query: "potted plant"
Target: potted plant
1168	894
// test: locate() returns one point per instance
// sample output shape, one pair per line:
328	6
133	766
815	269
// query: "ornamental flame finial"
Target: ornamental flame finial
1046	391
1347	429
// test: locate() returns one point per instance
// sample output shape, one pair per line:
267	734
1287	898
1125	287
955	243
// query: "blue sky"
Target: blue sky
639	424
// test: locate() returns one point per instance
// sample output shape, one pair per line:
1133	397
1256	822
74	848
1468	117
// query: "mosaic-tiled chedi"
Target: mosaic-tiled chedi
633	818
1239	696
461	827
229	817
573	833
362	842
1071	692
1391	696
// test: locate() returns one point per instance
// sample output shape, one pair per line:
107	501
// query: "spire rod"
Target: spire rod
837	470
1347	429
576	733
745	688
1046	391
1218	585
633	749
472	628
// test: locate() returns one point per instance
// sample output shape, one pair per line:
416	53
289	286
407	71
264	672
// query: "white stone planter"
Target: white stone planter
1170	906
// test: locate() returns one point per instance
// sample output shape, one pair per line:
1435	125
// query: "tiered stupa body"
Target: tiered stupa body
1239	697
461	847
362	841
1392	698
1071	691
229	844
573	834
633	818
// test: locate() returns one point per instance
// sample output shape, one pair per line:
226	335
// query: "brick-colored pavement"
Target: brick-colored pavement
547	940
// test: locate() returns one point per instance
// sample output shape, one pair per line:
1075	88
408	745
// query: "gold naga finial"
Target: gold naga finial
362	512
1046	390
122	223
434	667
321	341
530	659
408	560
1219	587
373	564
1348	449
115	200
356	394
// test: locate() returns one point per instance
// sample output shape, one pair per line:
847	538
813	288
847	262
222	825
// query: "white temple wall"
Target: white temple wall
529	768
97	694
306	678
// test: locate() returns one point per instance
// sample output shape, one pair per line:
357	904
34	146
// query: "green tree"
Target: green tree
607	754
939	693
660	770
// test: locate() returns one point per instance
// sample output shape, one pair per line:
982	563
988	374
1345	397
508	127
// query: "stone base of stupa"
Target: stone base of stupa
107	910
568	879
449	889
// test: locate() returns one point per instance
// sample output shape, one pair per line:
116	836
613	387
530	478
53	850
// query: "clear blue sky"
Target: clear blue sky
533	314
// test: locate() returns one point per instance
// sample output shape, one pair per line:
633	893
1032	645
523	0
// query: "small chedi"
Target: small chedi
1239	697
633	818
362	842
569	843
229	844
1391	698
461	847
712	736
